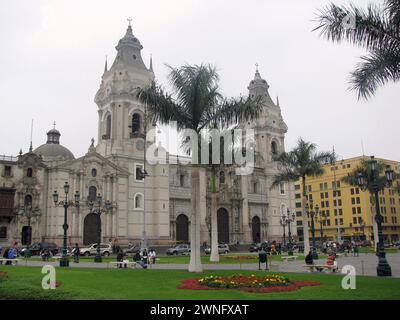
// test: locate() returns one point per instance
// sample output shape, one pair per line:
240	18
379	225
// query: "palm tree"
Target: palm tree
297	164
196	103
376	29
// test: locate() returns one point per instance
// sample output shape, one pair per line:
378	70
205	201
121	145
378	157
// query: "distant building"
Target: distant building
248	210
348	209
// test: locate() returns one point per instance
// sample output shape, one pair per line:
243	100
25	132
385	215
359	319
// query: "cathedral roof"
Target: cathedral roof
128	71
259	86
258	82
128	57
52	150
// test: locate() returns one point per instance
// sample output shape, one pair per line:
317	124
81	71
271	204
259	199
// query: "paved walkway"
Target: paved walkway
365	264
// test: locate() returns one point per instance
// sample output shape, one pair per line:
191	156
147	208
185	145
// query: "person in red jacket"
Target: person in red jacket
331	261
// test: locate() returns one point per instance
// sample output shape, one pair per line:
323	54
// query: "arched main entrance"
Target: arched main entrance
255	228
182	228
90	228
223	225
26	235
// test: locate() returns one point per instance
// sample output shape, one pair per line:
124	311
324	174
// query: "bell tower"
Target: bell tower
270	129
121	115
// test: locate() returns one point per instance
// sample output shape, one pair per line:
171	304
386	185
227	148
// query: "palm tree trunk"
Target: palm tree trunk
195	259
305	219
214	229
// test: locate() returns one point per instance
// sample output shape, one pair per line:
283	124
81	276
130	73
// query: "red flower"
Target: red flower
194	284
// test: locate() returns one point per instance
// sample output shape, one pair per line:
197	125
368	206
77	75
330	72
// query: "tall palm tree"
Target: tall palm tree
302	161
376	29
196	103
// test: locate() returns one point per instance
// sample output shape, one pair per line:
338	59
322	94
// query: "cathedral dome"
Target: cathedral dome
52	150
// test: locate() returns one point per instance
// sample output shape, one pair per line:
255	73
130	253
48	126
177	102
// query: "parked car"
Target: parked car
179	249
105	250
222	248
255	247
397	244
37	247
130	251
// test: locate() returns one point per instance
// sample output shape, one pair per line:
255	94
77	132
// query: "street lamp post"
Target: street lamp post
98	207
283	224
374	183
363	224
289	220
311	213
321	219
64	262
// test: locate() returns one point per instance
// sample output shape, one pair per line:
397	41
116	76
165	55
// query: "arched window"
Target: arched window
221	177
29	172
28	200
108	126
135	123
274	148
139	201
92	193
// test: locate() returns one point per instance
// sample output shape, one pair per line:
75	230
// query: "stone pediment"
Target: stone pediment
94	158
31	159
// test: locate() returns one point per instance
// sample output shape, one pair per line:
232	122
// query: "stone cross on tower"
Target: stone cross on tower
129	20
54	124
256	67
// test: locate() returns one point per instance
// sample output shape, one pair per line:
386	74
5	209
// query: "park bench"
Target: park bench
321	267
13	261
289	258
122	264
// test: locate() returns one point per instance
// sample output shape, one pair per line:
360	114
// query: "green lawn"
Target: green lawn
25	283
205	259
372	250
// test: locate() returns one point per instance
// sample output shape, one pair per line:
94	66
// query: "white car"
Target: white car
105	250
222	248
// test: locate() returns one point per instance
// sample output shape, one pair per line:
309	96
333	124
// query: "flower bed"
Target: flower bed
268	283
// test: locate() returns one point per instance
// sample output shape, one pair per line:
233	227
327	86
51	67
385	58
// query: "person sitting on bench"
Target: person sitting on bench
138	259
120	258
331	261
310	260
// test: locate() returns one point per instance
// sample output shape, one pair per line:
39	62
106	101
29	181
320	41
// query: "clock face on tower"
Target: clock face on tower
140	145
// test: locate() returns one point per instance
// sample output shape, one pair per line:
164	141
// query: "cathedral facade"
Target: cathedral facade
147	201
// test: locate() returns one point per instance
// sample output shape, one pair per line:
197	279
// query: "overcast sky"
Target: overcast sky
52	58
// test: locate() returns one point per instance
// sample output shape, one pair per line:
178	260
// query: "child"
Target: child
331	261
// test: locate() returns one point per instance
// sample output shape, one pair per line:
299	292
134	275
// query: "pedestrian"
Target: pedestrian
120	258
12	252
273	248
309	258
331	261
45	254
356	250
77	253
5	255
138	259
152	256
145	256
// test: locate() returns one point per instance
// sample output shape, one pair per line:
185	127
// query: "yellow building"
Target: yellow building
348	209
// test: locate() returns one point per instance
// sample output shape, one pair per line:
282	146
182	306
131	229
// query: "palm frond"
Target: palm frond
393	9
161	107
379	67
369	28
